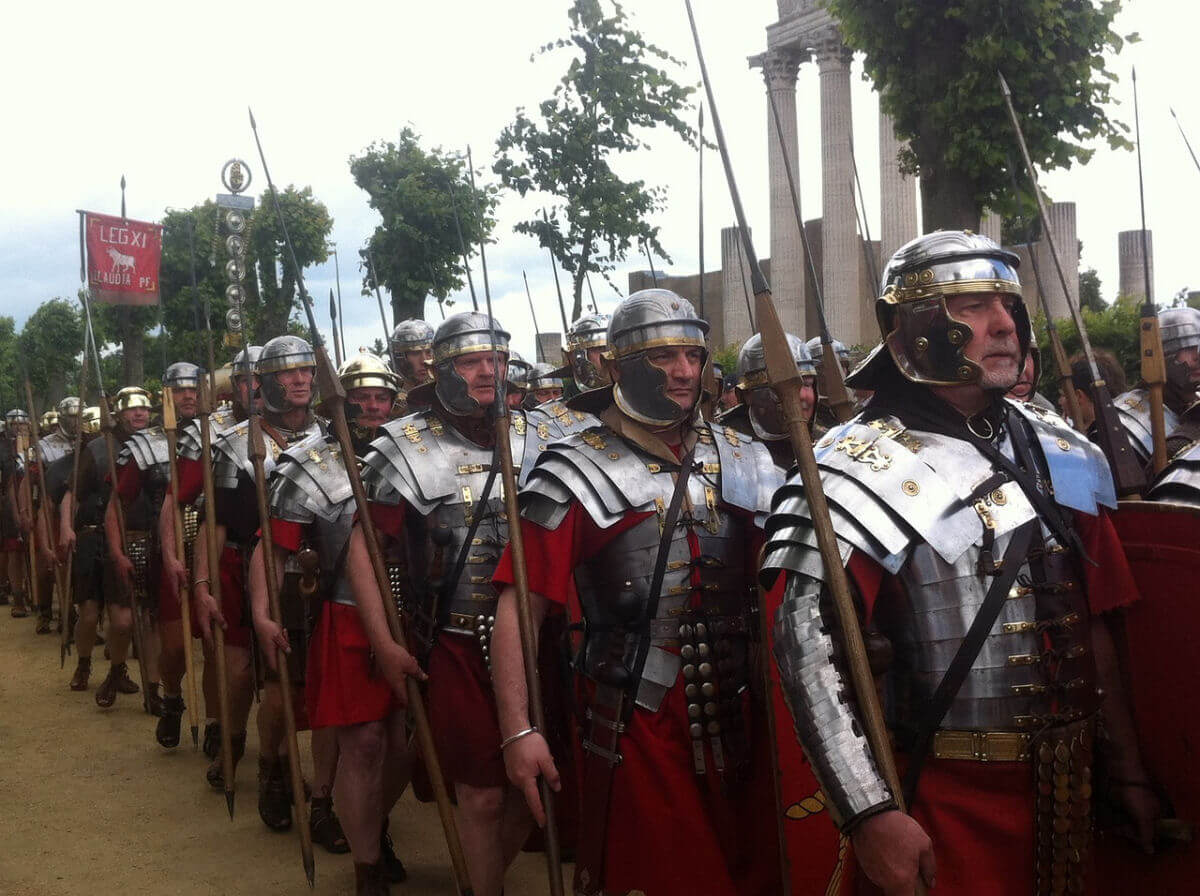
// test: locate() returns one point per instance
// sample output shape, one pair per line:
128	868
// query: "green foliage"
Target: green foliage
613	92
727	356
9	370
934	63
1089	290
49	344
1115	327
309	225
416	250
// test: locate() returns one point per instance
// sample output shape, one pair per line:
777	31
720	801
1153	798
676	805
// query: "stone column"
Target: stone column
735	287
842	255
991	225
897	195
787	251
1061	218
1133	263
549	348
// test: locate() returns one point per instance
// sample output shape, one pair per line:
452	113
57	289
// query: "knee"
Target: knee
120	619
89	613
363	745
484	805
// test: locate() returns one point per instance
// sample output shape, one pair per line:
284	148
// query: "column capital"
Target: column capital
780	66
830	48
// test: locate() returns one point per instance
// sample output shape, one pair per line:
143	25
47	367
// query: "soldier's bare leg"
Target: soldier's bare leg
16	578
274	800
85	628
493	823
359	787
171	663
120	632
327	829
325	760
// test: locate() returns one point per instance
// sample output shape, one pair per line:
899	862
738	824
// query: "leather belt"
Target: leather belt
982	746
136	533
718	626
465	623
88	530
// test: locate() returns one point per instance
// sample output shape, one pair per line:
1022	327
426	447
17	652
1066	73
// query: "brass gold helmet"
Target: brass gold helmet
132	397
49	421
920	337
366	370
91	420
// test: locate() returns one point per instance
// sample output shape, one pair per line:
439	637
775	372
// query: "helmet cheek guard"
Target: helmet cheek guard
641	392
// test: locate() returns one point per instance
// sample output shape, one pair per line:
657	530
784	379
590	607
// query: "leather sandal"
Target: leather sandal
326	828
83	671
106	694
211	745
369	880
124	683
274	800
216	770
393	869
166	732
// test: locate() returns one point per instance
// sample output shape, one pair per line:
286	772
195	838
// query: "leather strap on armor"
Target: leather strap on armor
968	650
610	711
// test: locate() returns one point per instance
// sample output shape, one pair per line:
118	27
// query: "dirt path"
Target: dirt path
92	804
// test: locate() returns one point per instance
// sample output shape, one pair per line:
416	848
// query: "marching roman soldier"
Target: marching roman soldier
976	537
285	371
237	523
14	522
544	385
82	519
758	415
412	350
1180	332
825	416
177	570
433	484
143	477
587	341
56	447
675	775
312	513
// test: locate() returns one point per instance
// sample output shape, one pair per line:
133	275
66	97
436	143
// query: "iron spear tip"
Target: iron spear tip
1003	83
229	803
253	125
195	737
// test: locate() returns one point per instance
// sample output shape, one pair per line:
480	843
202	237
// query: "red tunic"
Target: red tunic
670	830
462	708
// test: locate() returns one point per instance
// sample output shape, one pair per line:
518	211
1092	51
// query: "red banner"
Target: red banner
122	260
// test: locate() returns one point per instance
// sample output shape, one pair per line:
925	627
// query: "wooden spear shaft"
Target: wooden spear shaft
171	427
213	551
65	643
267	552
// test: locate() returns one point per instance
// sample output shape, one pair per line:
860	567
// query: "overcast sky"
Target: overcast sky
159	94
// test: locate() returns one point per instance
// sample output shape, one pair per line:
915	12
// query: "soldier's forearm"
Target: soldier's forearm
367	599
166	527
508	664
821	705
260	604
112	531
1126	759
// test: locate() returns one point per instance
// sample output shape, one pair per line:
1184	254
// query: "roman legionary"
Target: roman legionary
57	446
825	416
976	537
650	517
1180	332
14	529
143	477
236	513
412	350
587	341
432	481
285	382
758	413
82	522
312	514
544	385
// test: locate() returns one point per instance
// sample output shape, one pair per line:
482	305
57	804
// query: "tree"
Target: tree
48	345
416	248
1089	291
9	370
308	224
612	94
934	63
1115	327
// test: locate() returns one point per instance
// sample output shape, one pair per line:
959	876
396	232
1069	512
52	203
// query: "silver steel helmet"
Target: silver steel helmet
409	336
281	354
245	361
182	375
816	349
519	371
1179	328
919	336
132	397
69	407
16	415
543	376
461	334
588	332
365	371
756	389
648	319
